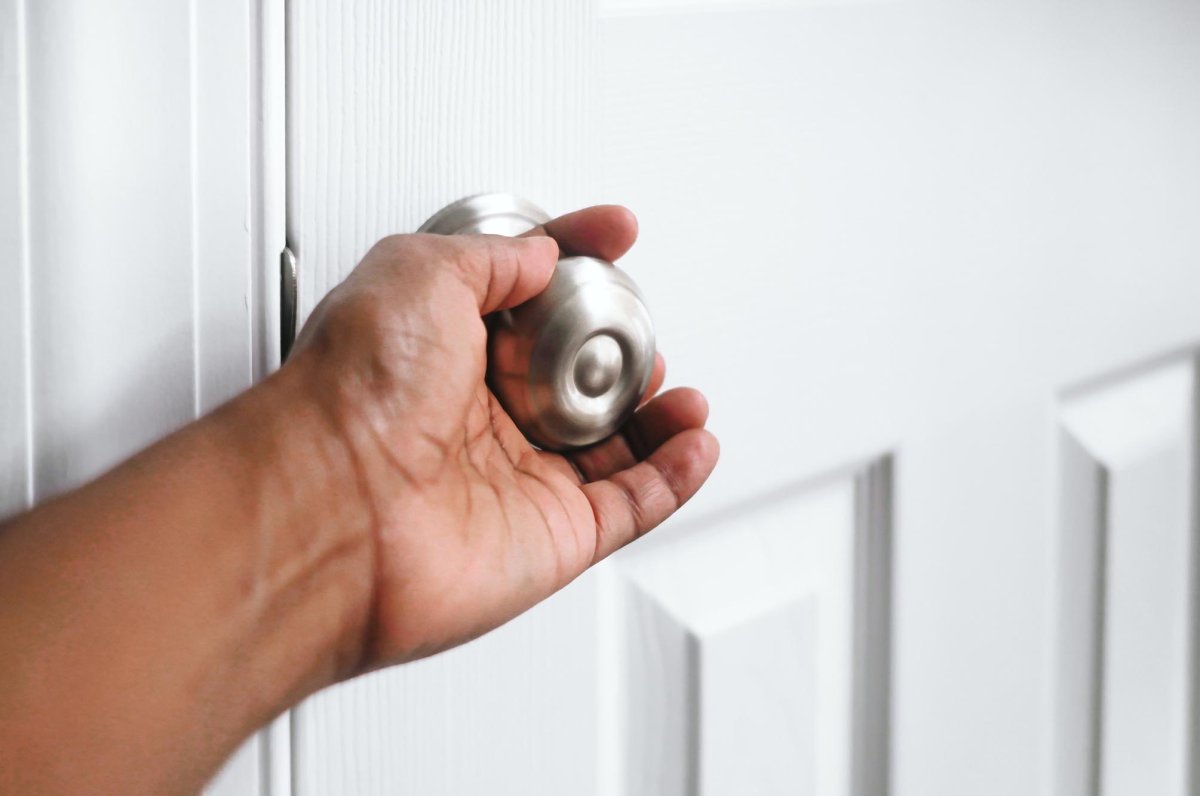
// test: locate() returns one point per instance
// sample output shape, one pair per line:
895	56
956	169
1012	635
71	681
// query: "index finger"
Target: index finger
604	231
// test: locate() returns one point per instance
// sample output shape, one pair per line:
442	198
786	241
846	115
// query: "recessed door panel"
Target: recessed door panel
1127	575
752	649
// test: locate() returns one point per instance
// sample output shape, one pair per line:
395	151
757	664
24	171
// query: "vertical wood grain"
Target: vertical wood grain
902	225
396	109
16	472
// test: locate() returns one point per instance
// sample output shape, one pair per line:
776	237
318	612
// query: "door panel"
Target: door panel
862	220
511	713
1127	668
98	79
397	109
753	651
890	233
906	227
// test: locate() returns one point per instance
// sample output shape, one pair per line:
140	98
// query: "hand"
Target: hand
471	524
367	504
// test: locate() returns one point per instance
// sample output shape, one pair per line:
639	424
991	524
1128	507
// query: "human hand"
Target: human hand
471	525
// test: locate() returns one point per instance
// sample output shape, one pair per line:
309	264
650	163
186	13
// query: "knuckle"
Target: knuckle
389	246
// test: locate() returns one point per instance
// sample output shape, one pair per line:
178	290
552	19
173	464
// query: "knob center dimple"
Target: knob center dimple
598	365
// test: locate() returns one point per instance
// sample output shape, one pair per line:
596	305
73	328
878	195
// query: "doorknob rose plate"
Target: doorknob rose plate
571	364
488	214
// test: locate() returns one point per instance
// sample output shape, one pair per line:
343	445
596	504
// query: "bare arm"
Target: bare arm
152	618
368	504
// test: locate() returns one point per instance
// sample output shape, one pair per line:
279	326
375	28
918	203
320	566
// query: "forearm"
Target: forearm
153	618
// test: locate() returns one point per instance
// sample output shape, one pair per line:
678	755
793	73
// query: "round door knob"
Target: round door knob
569	365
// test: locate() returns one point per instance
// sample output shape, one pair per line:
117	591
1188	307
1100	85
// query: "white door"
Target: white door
937	266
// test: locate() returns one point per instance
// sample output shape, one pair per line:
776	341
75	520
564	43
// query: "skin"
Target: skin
368	504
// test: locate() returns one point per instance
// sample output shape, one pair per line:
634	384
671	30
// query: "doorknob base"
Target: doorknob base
486	213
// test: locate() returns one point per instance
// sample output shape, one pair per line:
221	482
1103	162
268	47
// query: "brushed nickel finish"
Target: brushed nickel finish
488	214
570	365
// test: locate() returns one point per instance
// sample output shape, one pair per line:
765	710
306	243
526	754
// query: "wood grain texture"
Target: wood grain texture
16	472
754	656
643	7
865	227
396	109
512	712
137	176
1127	669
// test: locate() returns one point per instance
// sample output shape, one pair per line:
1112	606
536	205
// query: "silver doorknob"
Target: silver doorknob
569	365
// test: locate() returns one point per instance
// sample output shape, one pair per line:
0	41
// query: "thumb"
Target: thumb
504	272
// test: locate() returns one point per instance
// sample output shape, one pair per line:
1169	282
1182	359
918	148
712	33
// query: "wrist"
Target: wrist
200	588
310	570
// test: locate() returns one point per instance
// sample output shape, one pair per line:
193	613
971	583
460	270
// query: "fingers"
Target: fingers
604	231
664	417
635	500
657	375
671	413
504	272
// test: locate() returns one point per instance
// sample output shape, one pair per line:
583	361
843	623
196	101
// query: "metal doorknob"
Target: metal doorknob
569	365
